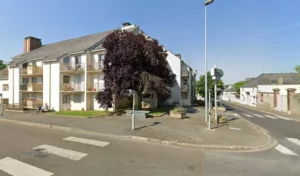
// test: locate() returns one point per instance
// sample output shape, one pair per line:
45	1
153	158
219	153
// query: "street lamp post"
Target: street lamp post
207	2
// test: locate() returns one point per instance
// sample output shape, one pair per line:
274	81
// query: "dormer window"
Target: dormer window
273	81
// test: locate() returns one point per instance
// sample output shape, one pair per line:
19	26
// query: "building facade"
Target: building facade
67	75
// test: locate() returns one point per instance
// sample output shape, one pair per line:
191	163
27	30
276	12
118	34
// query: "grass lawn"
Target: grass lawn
81	113
159	111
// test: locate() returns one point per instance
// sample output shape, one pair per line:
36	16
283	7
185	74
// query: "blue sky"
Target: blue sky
245	37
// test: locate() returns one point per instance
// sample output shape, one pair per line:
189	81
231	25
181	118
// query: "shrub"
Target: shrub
179	110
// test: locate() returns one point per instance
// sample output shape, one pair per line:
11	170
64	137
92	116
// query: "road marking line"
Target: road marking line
284	150
87	141
247	115
257	115
235	114
73	155
271	116
238	129
294	140
284	118
18	168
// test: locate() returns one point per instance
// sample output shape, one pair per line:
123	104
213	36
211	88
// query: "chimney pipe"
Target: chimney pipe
31	43
178	55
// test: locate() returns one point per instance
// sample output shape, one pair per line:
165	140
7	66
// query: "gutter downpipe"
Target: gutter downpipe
50	85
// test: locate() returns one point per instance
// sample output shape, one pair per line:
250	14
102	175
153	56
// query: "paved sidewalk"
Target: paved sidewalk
191	131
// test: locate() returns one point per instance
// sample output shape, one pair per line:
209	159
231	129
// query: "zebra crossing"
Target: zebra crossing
261	116
15	167
292	143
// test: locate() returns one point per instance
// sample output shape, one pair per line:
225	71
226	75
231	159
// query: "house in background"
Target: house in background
4	85
275	91
229	94
248	93
67	75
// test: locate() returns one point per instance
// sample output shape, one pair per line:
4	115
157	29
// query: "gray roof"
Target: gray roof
274	79
56	50
230	89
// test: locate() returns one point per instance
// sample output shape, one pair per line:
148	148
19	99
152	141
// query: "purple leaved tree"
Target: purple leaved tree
134	62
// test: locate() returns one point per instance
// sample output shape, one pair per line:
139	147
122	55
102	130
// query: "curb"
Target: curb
264	147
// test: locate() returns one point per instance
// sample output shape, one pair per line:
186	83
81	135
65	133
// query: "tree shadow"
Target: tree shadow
145	126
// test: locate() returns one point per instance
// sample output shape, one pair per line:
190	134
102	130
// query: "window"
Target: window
185	81
66	60
66	79
77	60
33	63
184	95
77	98
5	87
273	81
100	58
66	98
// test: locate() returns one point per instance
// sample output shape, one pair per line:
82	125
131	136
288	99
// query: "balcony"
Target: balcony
72	87
184	73
72	68
31	103
31	87
96	87
185	88
31	71
95	67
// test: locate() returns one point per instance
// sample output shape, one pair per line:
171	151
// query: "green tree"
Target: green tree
2	65
238	86
297	69
200	85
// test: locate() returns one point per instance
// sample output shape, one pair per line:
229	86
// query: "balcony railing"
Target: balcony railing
31	103
95	67
31	70
72	67
31	87
72	87
185	87
185	73
96	87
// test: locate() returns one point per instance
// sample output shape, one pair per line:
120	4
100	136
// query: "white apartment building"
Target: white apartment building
67	75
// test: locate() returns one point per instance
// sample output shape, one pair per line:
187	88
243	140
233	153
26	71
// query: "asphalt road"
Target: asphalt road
284	129
45	152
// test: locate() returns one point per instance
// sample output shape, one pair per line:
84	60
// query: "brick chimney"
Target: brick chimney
31	43
178	55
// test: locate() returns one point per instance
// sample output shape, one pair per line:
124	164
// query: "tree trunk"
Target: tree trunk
139	100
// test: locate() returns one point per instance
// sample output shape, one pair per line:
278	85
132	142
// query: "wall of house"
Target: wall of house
266	101
295	104
283	91
175	65
56	99
13	79
5	93
46	84
186	101
248	99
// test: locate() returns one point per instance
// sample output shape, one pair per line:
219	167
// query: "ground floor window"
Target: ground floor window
66	98
184	95
77	98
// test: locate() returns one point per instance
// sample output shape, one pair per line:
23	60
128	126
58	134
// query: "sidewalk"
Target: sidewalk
294	117
237	135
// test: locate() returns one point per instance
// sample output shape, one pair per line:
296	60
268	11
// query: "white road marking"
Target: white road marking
87	141
257	115
235	114
247	115
271	116
238	129
18	168
70	154
294	140
284	150
284	118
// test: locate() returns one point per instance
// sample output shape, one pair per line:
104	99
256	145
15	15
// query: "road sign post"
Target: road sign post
216	74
